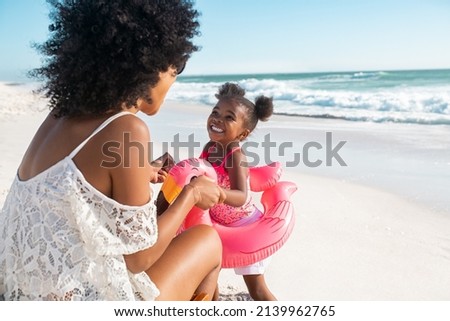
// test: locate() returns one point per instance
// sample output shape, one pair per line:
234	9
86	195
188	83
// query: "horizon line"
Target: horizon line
26	79
313	72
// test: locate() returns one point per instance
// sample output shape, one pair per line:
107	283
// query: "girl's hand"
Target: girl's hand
206	192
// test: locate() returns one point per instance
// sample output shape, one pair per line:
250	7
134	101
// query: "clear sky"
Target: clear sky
276	36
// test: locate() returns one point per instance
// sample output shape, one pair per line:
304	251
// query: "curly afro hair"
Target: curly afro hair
102	54
261	109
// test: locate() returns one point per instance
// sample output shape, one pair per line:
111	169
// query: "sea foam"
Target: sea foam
361	96
421	97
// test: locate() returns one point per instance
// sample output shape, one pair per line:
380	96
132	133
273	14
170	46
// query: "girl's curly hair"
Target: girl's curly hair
261	110
102	54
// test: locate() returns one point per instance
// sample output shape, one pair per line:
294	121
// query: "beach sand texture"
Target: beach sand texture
376	229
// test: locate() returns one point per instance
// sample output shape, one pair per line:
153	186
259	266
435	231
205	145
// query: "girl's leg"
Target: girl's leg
191	264
257	287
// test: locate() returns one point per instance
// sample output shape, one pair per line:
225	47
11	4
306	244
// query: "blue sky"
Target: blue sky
265	36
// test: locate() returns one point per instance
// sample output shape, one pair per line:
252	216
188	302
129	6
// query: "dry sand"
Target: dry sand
352	241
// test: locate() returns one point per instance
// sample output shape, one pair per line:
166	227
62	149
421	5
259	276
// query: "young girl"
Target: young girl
232	119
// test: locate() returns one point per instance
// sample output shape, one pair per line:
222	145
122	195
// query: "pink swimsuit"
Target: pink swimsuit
223	213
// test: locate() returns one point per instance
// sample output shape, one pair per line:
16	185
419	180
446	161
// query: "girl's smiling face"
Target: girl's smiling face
226	123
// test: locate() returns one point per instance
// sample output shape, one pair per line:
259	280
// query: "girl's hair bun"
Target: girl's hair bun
263	107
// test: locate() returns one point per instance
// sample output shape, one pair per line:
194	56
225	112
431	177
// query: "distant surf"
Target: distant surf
417	96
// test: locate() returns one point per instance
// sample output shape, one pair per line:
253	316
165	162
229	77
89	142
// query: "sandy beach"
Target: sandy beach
376	229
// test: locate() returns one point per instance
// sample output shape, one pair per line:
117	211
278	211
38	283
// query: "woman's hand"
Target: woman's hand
159	173
206	192
162	166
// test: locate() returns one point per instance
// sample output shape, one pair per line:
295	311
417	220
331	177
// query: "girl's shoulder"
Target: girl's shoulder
234	158
206	150
208	145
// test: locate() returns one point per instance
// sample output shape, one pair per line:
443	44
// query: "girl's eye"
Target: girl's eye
230	118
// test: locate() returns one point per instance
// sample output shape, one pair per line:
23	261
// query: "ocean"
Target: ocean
415	96
396	124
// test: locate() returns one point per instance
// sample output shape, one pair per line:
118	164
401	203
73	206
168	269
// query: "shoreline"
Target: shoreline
399	158
362	119
352	241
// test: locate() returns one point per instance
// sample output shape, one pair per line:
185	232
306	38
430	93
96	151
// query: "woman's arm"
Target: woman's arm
202	192
130	185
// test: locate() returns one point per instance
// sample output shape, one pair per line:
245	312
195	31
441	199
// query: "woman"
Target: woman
76	226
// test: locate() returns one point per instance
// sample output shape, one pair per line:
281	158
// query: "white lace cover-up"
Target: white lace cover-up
61	239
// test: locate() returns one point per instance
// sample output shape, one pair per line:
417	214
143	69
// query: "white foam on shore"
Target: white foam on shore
406	103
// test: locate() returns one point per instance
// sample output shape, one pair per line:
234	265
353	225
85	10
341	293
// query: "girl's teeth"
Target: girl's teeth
216	129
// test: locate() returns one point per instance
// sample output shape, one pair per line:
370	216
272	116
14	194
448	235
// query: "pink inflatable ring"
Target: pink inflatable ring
242	245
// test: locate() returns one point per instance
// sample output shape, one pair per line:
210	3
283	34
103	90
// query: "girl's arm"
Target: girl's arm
238	173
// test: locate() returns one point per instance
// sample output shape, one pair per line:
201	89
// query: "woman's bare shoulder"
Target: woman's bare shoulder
127	126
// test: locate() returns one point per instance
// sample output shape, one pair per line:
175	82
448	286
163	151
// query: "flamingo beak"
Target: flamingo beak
170	189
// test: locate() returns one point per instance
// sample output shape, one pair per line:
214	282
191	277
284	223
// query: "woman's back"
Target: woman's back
64	239
56	139
81	225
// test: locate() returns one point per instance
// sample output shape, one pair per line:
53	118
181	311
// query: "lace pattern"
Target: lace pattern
64	240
